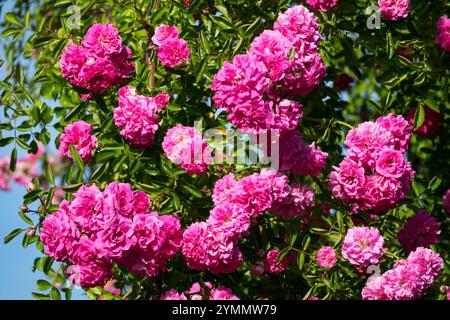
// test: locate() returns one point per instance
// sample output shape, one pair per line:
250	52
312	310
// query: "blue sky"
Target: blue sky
17	281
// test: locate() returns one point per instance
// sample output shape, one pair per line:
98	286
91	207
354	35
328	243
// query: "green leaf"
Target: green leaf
32	195
222	10
175	201
12	18
12	235
72	187
106	155
293	239
48	201
282	254
101	103
252	27
301	261
419	117
6	141
25	218
40	296
192	190
432	104
49	174
100	171
418	187
200	69
54	294
74	112
43	285
13	161
434	183
376	106
76	157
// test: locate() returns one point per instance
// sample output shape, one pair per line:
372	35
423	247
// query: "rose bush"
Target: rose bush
128	198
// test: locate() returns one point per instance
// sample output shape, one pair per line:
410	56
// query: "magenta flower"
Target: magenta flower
363	246
321	5
164	33
173	52
101	61
271	264
394	9
420	230
443	29
78	134
326	257
136	116
186	147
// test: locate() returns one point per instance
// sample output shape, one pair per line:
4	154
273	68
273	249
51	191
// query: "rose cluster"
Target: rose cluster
257	88
408	279
201	292
186	146
171	49
298	157
375	175
443	38
101	61
321	5
98	228
79	135
394	9
26	169
136	116
420	230
212	244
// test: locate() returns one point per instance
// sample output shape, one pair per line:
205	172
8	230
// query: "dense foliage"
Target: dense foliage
121	128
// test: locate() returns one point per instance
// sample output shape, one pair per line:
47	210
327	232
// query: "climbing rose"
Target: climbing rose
299	25
186	147
103	39
164	33
321	5
231	219
343	82
206	247
59	234
173	52
98	228
408	279
298	157
363	246
394	9
173	294
326	257
78	134
295	204
443	38
420	230
136	116
391	163
101	61
222	293
271	265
